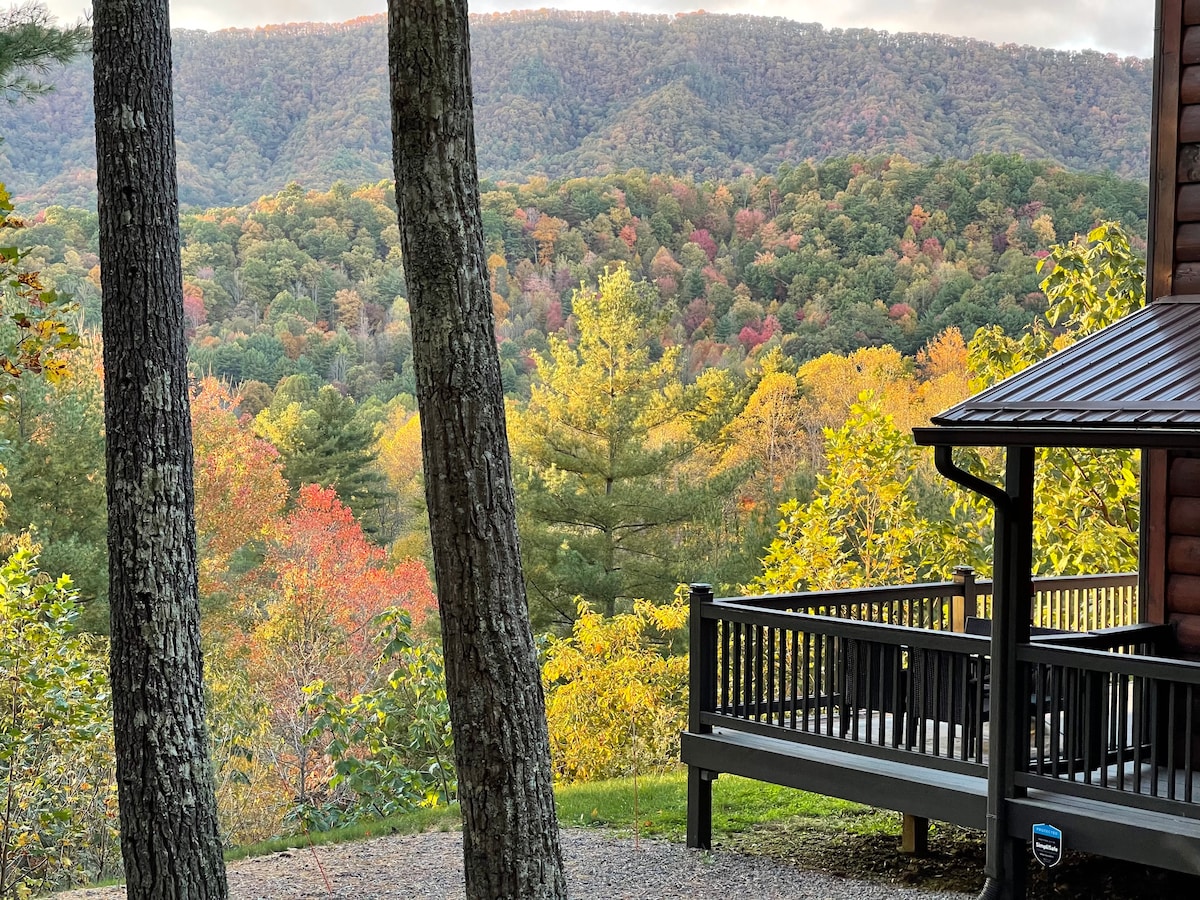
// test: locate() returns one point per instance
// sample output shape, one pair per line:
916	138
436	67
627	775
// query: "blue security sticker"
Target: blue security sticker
1047	845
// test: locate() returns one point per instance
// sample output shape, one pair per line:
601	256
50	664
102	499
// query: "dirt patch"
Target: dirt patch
955	861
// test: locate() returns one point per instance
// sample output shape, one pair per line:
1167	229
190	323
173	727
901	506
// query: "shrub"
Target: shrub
58	796
390	747
616	697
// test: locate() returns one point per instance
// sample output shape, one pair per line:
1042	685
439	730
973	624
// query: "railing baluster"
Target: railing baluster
769	663
811	686
1037	750
1089	695
1057	718
1105	727
759	674
981	664
1139	725
739	686
1189	731
1171	736
819	671
797	660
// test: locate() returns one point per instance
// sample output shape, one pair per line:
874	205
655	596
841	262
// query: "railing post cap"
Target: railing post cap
963	570
699	587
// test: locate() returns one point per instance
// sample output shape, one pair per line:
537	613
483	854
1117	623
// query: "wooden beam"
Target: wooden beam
1187	277
1183	554
1187	634
1164	149
1152	586
1189	125
919	789
1189	207
1183	595
914	837
1189	85
1187	243
1191	45
1189	163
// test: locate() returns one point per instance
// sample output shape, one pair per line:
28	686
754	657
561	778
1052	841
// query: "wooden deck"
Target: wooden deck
865	698
915	789
1112	829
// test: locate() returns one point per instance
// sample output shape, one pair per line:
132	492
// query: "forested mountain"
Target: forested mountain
565	94
849	253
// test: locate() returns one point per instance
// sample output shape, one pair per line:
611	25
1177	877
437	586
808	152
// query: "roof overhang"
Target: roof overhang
1133	384
1113	438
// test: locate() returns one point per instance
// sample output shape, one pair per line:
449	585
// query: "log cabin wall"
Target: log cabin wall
1171	502
1174	237
1183	552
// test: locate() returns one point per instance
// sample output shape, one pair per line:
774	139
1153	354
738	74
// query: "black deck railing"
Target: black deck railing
1114	726
882	696
827	680
885	672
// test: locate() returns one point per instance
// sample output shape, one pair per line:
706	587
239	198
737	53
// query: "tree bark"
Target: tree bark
510	834
169	834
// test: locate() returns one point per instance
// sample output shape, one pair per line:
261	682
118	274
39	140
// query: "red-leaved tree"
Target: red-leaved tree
321	586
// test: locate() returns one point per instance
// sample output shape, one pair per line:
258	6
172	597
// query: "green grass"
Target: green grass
739	804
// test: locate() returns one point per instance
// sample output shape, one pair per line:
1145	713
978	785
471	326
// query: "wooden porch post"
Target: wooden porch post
1007	857
702	686
914	835
964	600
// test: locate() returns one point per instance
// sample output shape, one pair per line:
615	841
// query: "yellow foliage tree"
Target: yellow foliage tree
399	457
616	698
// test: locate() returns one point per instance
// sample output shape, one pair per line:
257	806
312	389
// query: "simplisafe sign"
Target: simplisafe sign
1047	845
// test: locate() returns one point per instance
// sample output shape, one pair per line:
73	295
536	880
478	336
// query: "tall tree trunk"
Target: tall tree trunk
169	835
510	834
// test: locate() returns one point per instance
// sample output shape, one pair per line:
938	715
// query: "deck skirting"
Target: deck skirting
914	789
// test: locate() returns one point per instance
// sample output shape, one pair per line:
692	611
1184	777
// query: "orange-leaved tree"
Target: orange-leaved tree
320	588
240	490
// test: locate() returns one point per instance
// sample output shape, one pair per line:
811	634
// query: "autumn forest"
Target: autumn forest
717	321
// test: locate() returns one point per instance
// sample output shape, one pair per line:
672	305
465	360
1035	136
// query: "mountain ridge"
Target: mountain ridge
566	94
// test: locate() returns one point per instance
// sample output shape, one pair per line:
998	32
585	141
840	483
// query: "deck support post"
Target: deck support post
702	697
1007	856
699	808
1012	600
914	836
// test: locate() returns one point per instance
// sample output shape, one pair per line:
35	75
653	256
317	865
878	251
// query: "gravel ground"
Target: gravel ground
599	865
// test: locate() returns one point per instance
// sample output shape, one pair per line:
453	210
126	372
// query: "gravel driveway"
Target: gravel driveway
600	866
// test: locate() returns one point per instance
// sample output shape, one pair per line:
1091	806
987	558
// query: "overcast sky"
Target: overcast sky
1124	27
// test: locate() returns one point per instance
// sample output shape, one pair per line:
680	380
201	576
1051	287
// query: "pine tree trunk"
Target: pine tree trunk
169	835
510	834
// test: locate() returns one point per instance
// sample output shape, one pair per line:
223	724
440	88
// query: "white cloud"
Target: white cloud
1124	27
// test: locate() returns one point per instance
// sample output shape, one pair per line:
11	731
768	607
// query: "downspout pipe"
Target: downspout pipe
943	460
1005	869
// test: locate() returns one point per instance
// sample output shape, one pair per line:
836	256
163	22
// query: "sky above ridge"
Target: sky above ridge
1124	27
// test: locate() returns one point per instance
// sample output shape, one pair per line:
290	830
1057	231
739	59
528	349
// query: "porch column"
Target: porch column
1007	857
702	697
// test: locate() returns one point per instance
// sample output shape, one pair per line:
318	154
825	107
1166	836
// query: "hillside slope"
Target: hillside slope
592	93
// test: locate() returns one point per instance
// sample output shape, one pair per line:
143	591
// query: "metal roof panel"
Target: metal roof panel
1140	372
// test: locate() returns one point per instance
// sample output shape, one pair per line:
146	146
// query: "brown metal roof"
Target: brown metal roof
1133	384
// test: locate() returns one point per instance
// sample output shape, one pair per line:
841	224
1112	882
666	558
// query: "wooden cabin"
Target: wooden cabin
1171	507
1088	732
